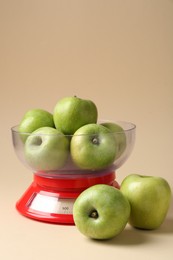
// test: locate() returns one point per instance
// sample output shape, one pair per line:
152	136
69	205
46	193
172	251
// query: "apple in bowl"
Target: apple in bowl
34	119
70	113
120	136
92	147
46	149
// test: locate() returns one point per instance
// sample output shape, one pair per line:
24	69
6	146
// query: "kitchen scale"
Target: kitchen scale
51	195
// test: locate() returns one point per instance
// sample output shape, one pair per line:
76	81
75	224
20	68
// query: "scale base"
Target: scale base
43	206
51	200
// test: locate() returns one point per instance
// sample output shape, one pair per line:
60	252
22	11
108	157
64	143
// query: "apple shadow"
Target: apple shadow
129	237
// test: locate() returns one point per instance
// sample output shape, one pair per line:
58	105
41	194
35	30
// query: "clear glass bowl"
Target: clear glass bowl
69	167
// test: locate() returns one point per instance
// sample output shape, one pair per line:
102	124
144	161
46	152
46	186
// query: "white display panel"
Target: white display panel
49	204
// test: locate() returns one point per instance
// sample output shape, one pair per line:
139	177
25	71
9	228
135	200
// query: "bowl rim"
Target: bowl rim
131	127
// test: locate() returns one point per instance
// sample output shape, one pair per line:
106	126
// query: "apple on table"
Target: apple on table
101	212
149	198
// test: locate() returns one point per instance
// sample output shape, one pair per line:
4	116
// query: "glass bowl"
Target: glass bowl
42	155
59	175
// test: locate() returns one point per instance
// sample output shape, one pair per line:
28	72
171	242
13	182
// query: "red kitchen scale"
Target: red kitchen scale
52	199
51	195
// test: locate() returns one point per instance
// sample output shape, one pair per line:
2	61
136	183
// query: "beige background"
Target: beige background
120	55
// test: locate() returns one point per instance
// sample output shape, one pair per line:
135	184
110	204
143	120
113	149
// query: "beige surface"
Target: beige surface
120	55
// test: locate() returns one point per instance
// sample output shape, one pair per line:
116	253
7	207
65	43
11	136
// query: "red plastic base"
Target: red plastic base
51	200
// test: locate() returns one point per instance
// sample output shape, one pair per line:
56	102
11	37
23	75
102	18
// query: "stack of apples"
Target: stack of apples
71	135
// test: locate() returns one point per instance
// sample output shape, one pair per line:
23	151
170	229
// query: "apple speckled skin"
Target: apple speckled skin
101	212
149	197
34	119
119	135
93	147
70	113
46	149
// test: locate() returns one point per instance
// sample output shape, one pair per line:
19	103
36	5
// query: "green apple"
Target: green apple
101	212
70	113
93	147
119	135
46	149
34	119
149	197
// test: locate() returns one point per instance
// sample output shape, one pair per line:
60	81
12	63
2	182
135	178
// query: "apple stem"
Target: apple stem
94	214
95	141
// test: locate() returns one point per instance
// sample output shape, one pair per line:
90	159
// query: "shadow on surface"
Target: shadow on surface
132	236
129	237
